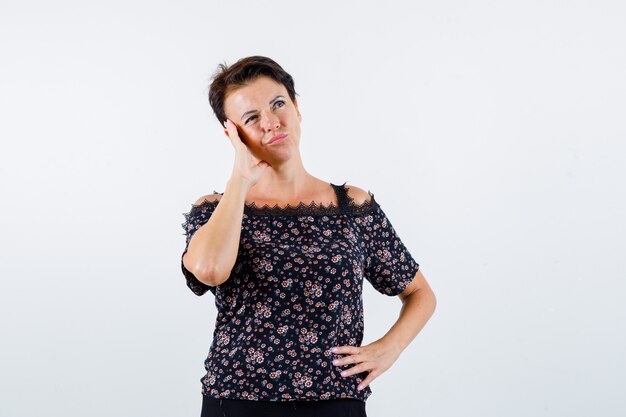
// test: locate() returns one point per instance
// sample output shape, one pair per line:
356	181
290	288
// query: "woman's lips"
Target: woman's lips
278	139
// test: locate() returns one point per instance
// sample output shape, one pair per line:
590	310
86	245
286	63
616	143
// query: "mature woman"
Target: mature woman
285	253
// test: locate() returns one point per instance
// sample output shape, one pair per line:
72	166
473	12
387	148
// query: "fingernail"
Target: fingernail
336	361
334	350
343	373
359	388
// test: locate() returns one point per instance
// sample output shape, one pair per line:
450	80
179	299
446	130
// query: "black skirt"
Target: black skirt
226	407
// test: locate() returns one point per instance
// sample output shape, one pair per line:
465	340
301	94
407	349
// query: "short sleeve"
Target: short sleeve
194	219
389	266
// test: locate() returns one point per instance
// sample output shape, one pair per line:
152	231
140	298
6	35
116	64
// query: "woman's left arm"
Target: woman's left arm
418	305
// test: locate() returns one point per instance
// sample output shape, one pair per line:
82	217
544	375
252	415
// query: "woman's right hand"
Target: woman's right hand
247	166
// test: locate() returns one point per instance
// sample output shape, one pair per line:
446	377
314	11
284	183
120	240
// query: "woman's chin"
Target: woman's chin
278	156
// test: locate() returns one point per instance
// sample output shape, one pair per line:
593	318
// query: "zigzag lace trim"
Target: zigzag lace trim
302	208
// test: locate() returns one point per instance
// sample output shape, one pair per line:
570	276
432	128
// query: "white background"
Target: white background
492	133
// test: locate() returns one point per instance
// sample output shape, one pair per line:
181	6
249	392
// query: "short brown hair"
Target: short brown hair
245	70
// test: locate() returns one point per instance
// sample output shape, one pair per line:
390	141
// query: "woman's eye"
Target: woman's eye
275	103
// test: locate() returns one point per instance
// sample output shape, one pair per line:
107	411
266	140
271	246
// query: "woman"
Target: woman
285	254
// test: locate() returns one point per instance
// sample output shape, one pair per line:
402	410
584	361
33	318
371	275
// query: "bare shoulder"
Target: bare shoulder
211	198
357	194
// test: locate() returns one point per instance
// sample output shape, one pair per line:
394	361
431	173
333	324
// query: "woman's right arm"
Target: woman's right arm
213	248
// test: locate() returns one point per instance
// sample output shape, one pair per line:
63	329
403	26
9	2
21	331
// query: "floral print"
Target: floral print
294	292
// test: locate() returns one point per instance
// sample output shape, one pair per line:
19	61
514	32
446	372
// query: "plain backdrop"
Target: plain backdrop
492	133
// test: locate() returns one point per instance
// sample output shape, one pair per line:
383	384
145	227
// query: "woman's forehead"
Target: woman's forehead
258	92
257	89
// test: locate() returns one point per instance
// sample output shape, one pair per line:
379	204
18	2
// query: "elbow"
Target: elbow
206	274
433	302
210	275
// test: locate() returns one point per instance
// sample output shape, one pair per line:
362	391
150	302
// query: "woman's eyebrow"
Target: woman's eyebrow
271	101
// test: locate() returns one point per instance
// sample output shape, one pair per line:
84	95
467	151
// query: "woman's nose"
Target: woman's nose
270	122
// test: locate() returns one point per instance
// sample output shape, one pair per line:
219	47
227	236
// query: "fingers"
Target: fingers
368	380
355	355
231	131
358	356
350	350
227	127
360	368
357	369
349	360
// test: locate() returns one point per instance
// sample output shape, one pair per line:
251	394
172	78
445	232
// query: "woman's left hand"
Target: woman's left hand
376	358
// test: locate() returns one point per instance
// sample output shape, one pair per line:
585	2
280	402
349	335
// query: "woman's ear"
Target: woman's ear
295	103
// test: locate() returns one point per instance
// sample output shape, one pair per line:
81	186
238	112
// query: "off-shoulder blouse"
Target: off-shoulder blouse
294	292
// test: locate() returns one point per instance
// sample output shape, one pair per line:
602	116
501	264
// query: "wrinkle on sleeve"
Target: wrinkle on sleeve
389	266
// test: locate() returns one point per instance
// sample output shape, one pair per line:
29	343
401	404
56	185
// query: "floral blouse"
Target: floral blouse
294	292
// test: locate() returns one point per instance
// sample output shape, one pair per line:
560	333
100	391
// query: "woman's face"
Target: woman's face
261	110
